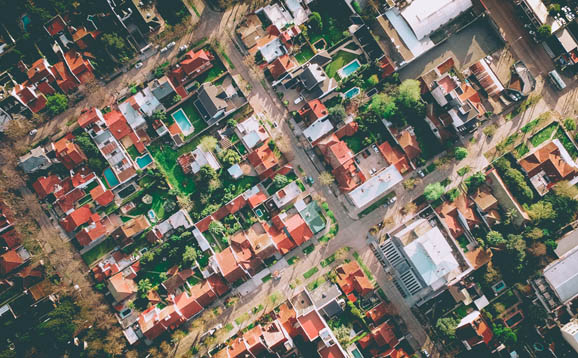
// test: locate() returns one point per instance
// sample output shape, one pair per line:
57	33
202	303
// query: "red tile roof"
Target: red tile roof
253	340
187	305
257	199
55	25
331	352
81	67
237	348
449	212
44	186
394	156
314	110
68	152
88	117
312	324
384	335
348	176
203	225
351	278
76	218
298	229
263	160
377	313
64	78
283	243
102	196
548	159
82	176
203	293
9	261
218	285
281	65
10	238
194	61
288	318
228	264
408	142
68	201
117	124
92	232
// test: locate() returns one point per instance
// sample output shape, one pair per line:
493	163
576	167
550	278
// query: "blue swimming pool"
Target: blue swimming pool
349	68
111	179
152	216
144	161
183	122
352	92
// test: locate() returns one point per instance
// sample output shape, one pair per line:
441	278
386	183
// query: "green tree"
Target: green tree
541	211
208	143
205	175
515	180
409	93
447	327
315	22
570	124
280	181
326	178
505	335
159	115
434	191
230	157
372	81
474	181
565	189
116	46
544	32
337	113
554	9
57	329
453	194
535	233
460	153
144	286
217	228
494	238
383	105
56	104
190	255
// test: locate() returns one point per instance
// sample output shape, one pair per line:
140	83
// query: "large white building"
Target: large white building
562	276
570	333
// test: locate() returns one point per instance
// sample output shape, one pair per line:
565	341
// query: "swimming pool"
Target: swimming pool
152	216
349	68
183	122
352	92
144	161
111	179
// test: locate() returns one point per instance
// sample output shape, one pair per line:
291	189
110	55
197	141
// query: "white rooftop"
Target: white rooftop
375	187
235	171
426	16
147	102
415	45
432	256
566	40
287	194
277	15
272	50
178	219
300	15
541	12
201	240
562	275
252	132
133	117
203	158
318	129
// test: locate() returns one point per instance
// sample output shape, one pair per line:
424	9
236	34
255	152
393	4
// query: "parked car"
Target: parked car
375	149
310	180
392	200
164	49
425	353
33	132
183	48
421	173
171	44
298	100
138	65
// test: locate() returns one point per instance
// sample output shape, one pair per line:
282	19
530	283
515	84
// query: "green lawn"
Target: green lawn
194	117
335	20
521	150
304	55
311	272
567	143
354	142
159	198
544	134
133	152
99	251
340	59
214	72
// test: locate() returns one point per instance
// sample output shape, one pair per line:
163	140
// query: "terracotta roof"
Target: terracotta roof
281	65
203	293
102	196
337	154
549	159
449	212
273	335
253	339
121	288
68	152
82	176
44	186
88	117
228	264
187	305
394	156
76	218
347	130
408	142
312	324
55	25
9	261
64	78
377	313
203	225
117	124
218	285
92	232
283	243
351	278
384	335
288	318
68	202
298	229
257	199
237	348
193	61
10	238
331	352
263	160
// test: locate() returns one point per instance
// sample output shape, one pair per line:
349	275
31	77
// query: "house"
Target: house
244	254
570	333
315	82
251	132
79	66
352	280
276	14
35	160
562	276
211	101
522	82
408	142
487	78
228	266
130	229
9	238
30	97
269	48
280	239
13	259
326	300
203	293
6	217
101	195
423	258
286	195
460	217
314	110
382	342
311	324
193	162
372	189
77	218
251	30
122	286
548	165
264	160
538	15
294	227
68	152
44	186
318	130
254	340
195	63
92	233
163	89
473	330
281	66
261	241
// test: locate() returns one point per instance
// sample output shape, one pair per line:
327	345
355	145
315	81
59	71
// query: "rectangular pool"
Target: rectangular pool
144	161
349	68
183	122
110	177
352	92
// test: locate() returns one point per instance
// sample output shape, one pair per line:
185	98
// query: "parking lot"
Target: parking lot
466	47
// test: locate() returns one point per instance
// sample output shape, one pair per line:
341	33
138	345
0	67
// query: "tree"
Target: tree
326	178
515	180
315	22
447	327
176	99
565	189
505	335
58	328
232	123
460	153
383	105
453	194
434	191
494	238
217	228
372	81
570	124
544	32
230	157
409	93
540	211
144	286
554	9
159	115
516	246
535	233
280	181
474	181
116	46
56	104
190	255
337	113
208	143
17	128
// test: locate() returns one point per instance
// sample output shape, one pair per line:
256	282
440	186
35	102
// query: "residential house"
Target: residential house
76	218
318	130
316	84
101	195
487	78
228	265
9	105
251	132
244	255
276	14
473	330
211	101
81	69
163	89
562	277
353	281
382	341
461	216
293	226
122	285
68	152
6	217
570	333
261	241
264	160
12	260
10	238
548	165
192	162
127	231
538	15
286	195
195	63
522	82
314	110
251	30
281	66
92	233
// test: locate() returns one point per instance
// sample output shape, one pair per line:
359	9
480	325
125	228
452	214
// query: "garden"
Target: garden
329	21
340	59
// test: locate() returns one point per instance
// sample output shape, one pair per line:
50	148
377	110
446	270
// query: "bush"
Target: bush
372	81
570	124
453	194
544	32
460	153
515	180
56	104
315	22
280	181
554	9
357	7
447	327
434	191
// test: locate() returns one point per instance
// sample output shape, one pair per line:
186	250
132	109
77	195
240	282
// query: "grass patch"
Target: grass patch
304	54
309	249
257	309
311	272
318	282
242	318
267	278
99	251
212	73
192	5
463	171
329	260
355	142
521	150
544	134
341	59
567	143
229	327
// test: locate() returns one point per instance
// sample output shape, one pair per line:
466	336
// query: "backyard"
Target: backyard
340	59
304	54
98	251
193	115
335	21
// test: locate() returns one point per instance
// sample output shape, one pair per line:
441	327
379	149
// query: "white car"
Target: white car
183	48
164	49
138	65
171	44
33	132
